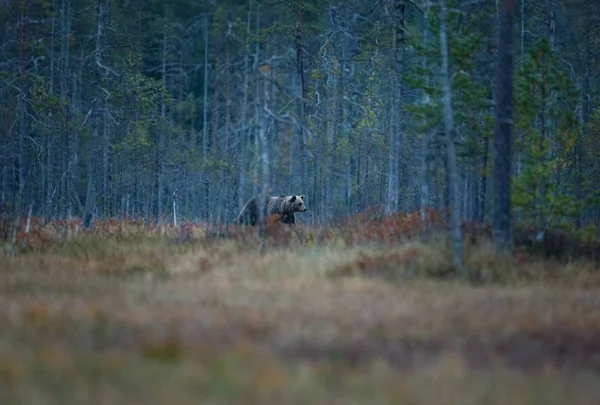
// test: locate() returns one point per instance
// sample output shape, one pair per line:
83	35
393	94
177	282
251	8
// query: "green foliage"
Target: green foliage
187	108
219	22
42	101
472	116
369	120
544	98
215	164
284	23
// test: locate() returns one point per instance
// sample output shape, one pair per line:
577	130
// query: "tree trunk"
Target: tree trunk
332	126
345	191
160	138
225	178
301	139
205	121
67	154
396	108
553	150
425	198
425	202
450	149
97	104
501	222
257	106
23	121
105	198
264	159
577	154
50	139
522	35
244	141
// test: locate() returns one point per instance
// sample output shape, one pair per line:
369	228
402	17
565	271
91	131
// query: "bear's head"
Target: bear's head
295	203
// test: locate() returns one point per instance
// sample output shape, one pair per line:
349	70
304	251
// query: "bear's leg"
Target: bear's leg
289	219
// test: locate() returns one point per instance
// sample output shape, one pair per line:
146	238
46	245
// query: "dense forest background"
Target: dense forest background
131	107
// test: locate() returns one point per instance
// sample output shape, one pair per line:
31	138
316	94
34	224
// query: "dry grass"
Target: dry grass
127	315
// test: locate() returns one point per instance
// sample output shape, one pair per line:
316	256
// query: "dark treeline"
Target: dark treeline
111	108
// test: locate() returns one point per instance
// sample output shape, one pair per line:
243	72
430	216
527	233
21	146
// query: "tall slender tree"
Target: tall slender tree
452	172
396	105
501	219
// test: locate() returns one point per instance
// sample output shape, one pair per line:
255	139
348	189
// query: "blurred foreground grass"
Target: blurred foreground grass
318	317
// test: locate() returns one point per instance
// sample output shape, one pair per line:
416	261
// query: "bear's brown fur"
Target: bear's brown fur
284	206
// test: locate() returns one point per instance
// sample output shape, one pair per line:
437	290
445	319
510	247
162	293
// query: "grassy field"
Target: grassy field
360	313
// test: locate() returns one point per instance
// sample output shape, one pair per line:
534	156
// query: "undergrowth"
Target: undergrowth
393	247
131	313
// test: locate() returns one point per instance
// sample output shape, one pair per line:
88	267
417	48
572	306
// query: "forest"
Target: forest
122	108
447	152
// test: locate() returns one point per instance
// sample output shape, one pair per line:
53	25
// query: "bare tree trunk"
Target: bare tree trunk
503	133
301	140
450	149
264	159
553	150
257	95
474	200
68	155
22	107
484	180
76	108
160	138
103	154
466	195
577	156
346	190
273	128
521	61
425	197
174	209
392	181
225	178
50	140
396	108
552	33
261	91
522	34
425	146
583	119
577	149
19	157
244	141
205	121
332	126
106	198
90	199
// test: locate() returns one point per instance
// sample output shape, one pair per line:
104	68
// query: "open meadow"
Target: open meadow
358	313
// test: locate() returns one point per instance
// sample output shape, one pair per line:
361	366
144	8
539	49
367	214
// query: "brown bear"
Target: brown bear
284	206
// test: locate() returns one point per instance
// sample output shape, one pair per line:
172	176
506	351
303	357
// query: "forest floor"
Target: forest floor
124	315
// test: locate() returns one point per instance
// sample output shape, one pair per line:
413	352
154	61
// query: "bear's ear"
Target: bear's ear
302	197
293	198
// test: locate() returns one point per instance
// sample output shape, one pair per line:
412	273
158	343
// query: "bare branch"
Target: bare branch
86	117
